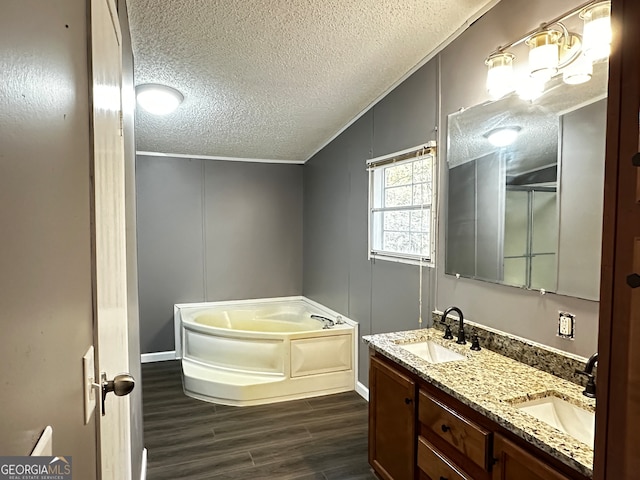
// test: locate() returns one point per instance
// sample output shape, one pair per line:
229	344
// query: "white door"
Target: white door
110	302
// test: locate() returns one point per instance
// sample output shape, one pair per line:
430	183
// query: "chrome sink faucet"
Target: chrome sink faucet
461	338
590	388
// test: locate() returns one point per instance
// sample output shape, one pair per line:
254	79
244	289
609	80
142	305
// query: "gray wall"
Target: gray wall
128	109
474	223
45	259
206	231
214	230
461	223
381	296
583	150
463	77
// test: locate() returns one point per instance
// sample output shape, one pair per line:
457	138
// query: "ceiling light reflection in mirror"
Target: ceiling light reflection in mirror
503	137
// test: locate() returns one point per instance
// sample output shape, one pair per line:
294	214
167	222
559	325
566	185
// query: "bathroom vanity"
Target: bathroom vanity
441	411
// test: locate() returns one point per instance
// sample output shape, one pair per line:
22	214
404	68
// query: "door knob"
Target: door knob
121	385
633	280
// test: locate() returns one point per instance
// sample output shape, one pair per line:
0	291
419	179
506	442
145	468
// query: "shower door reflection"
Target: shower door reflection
530	237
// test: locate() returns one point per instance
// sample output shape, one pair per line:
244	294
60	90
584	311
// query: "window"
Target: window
401	199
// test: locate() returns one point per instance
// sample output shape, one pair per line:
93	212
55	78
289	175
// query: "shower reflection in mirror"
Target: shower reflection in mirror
527	211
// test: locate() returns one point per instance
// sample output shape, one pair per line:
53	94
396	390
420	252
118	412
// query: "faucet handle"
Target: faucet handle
590	387
447	332
585	373
475	342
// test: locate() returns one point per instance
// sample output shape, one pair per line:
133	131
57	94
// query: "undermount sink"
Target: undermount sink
432	352
566	417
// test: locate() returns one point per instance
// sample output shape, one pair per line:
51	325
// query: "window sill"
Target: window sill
408	261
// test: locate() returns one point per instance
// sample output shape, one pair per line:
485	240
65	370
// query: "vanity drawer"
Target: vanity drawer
432	462
467	437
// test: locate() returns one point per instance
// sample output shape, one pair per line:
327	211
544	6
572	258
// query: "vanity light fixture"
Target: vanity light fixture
530	88
580	71
503	136
500	74
544	55
158	99
597	30
553	50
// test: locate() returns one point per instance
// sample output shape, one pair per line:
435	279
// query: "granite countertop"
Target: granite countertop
491	384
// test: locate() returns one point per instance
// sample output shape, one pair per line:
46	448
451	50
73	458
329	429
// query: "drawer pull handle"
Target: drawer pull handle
443	478
445	428
407	401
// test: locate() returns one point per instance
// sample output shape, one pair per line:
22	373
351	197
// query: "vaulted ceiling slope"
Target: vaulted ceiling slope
277	79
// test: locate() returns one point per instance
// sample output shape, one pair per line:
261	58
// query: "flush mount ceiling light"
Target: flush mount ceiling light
503	136
554	50
158	99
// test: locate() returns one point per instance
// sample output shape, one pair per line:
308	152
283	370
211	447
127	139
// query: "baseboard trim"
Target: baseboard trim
157	357
362	391
143	468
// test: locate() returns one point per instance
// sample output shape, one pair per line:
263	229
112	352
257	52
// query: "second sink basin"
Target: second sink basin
566	417
432	352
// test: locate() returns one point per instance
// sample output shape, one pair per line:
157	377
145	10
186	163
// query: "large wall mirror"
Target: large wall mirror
525	209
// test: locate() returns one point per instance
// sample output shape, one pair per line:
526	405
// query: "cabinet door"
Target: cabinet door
391	422
515	463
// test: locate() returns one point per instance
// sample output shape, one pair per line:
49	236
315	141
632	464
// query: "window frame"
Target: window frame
414	154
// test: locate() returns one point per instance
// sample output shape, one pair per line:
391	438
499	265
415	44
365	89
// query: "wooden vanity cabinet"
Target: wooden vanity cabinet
392	421
514	462
458	440
471	440
418	432
434	465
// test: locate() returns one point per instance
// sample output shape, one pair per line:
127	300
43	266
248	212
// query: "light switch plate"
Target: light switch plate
88	369
566	325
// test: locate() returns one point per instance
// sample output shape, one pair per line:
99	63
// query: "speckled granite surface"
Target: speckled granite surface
491	384
547	359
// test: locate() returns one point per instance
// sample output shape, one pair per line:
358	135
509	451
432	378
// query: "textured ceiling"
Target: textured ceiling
277	79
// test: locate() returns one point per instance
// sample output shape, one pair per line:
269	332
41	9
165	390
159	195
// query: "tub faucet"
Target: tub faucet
330	323
590	388
461	338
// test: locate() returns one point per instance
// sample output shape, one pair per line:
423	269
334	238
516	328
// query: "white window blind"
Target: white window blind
401	205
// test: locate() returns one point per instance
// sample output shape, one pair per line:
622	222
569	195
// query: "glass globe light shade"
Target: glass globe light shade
158	99
544	54
500	74
597	31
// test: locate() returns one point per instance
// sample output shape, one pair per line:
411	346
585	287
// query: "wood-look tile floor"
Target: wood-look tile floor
322	438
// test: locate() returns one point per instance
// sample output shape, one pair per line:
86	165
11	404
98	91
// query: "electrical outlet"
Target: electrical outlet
566	325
